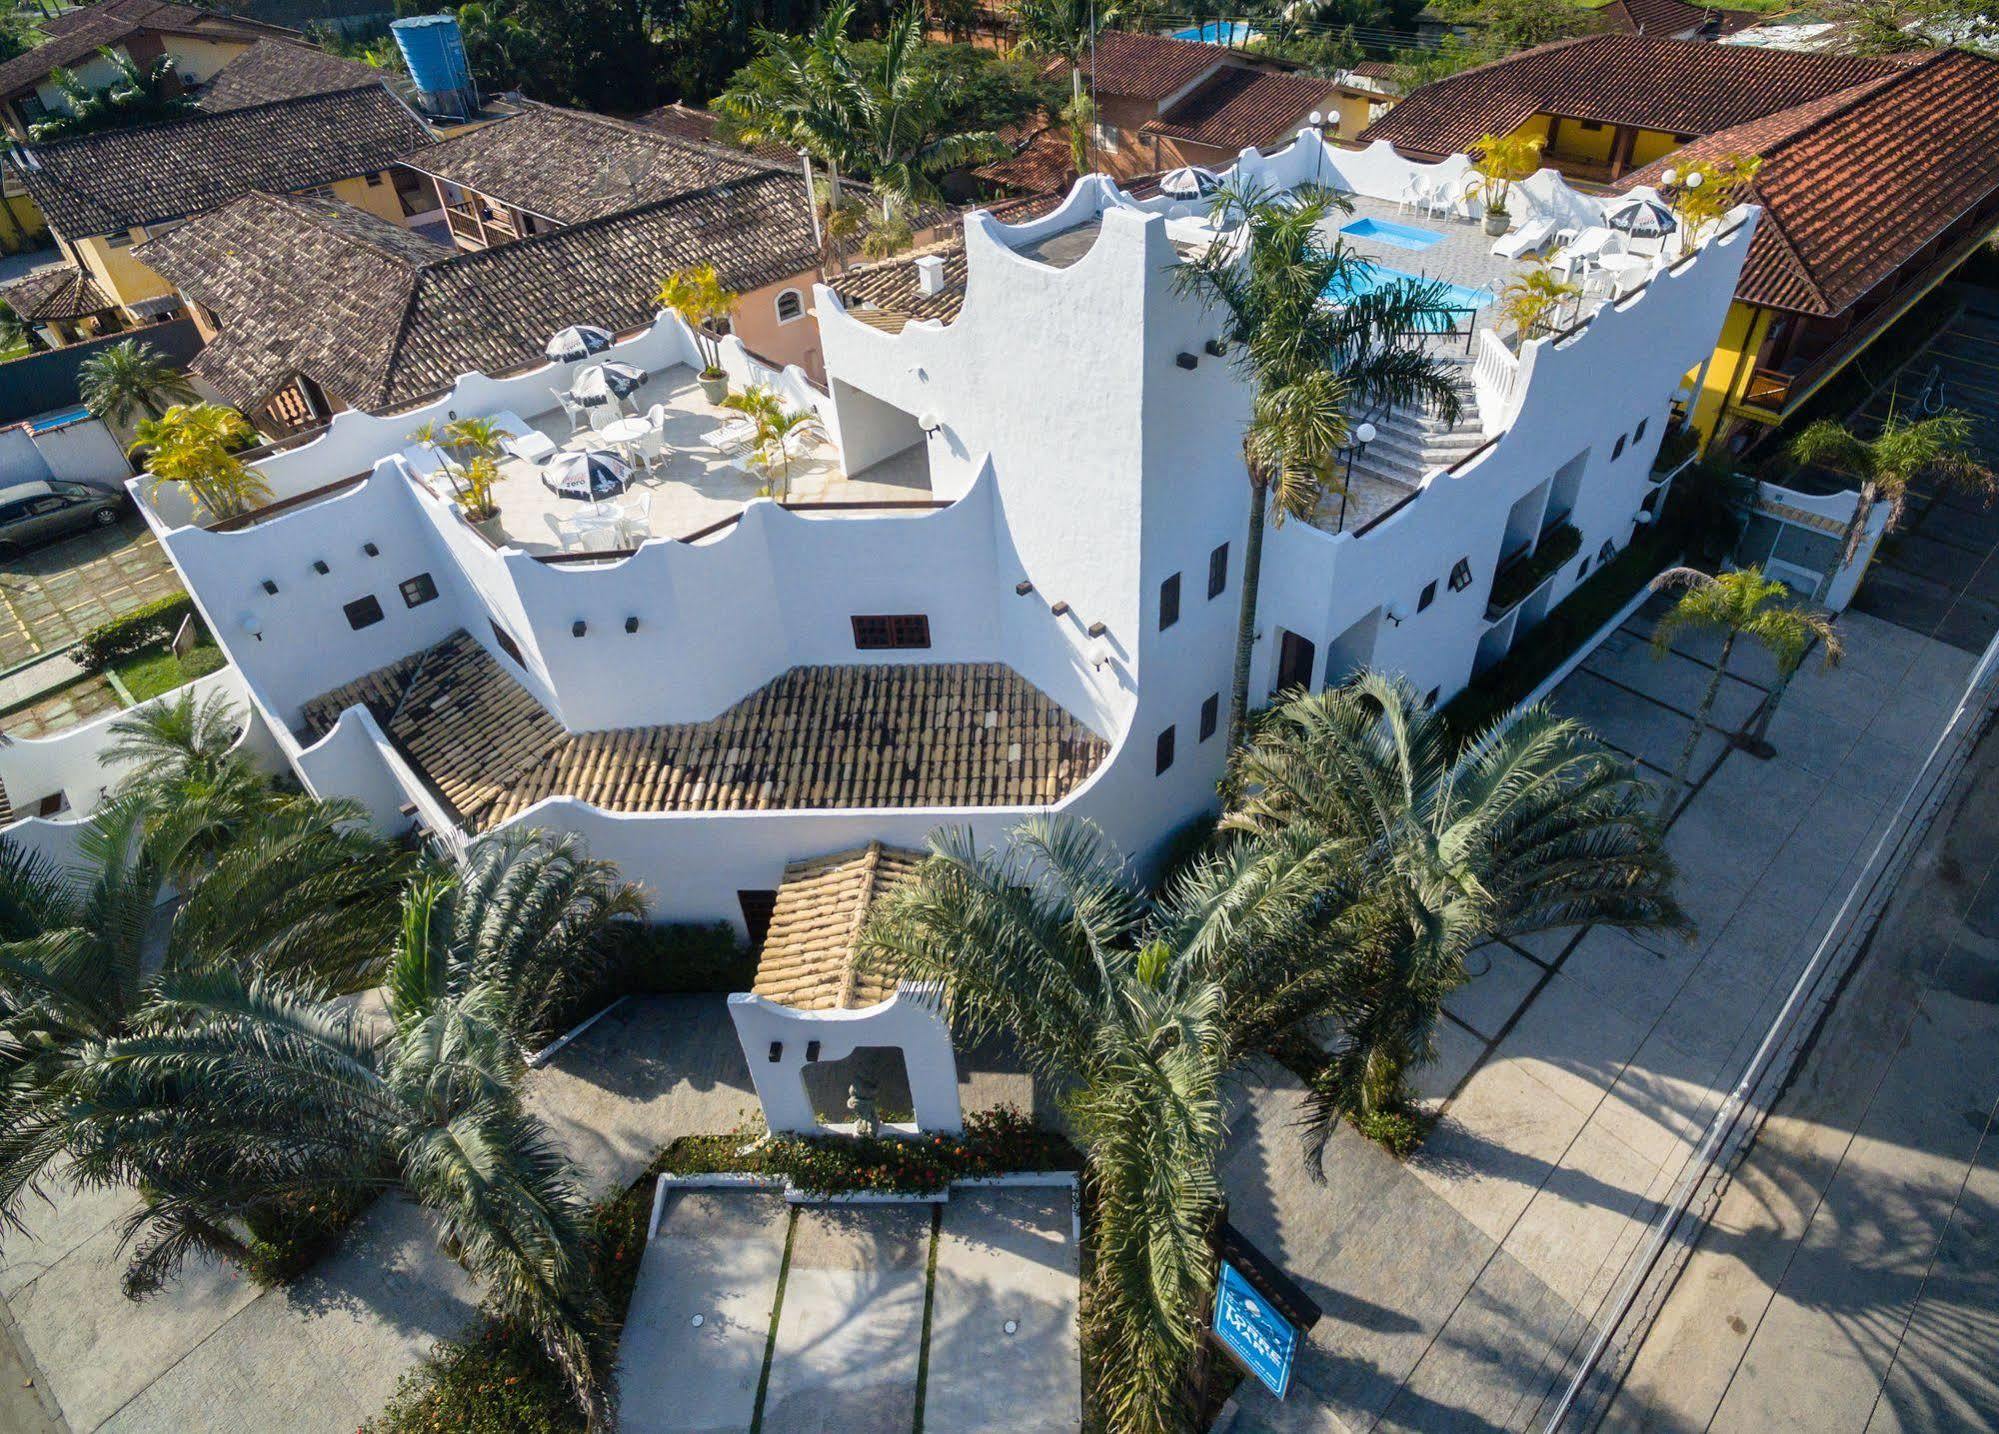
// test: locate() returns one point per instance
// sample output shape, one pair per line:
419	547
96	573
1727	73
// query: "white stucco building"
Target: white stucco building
1047	623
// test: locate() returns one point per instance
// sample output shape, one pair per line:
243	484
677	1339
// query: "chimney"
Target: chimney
929	275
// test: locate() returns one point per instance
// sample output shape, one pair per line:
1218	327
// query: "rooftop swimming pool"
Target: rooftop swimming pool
58	420
1367	278
1219	32
1387	231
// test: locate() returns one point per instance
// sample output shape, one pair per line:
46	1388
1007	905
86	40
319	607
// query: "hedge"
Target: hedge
151	625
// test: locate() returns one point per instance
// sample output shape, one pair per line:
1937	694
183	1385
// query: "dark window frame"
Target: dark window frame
1169	602
1211	712
507	644
426	589
1218	572
1617	452
1427	596
1162	752
890	631
364	611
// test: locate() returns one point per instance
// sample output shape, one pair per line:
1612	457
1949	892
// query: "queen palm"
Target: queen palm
1532	825
1943	447
1739	604
1309	362
1137	1012
128	375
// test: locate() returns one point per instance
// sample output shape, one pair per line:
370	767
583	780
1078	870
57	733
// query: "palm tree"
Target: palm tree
1531	826
15	331
1943	447
1792	632
698	295
1532	298
1308	360
141	94
1138	1012
1738	604
1066	29
130	374
192	446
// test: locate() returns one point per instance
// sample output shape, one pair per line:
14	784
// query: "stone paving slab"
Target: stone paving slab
1005	1255
832	1372
51	596
718	1255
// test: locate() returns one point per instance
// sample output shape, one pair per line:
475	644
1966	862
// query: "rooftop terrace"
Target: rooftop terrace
920	735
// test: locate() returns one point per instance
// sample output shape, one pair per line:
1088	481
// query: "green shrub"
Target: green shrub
150	625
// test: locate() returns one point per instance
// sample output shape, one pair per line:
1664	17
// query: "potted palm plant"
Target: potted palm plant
699	297
1531	299
475	495
774	426
192	447
1499	164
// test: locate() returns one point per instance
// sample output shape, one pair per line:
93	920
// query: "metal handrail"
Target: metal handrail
237	521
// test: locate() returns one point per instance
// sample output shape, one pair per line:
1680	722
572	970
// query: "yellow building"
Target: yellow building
1879	178
200	42
104	193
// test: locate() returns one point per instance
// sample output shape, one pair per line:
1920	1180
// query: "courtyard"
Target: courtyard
52	595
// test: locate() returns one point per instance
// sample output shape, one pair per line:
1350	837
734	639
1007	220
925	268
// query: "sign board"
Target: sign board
185	637
1250	1328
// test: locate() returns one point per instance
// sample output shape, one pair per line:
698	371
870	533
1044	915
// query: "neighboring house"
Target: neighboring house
1162	103
1673	19
1365	94
547	169
200	42
104	193
1045	626
1880	177
65	305
311	306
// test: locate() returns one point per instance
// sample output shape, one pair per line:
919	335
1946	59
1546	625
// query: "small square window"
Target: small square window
1211	711
1430	699
1162	754
1169	602
363	612
1638	433
1460	575
891	630
1618	451
1218	572
506	643
1608	551
1429	595
418	590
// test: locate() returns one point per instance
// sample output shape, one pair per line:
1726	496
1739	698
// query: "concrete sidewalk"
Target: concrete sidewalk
1579	1067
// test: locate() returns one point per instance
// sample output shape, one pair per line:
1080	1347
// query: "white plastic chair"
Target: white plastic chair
1582	248
635	520
577	414
565	534
1415	195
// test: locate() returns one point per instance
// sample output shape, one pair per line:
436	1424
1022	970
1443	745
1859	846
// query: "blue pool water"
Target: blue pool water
1370	277
1387	231
57	420
1218	32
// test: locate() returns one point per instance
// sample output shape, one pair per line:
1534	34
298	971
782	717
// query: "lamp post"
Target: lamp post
1362	436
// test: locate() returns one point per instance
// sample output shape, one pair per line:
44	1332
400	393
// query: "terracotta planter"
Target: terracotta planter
1497	222
714	389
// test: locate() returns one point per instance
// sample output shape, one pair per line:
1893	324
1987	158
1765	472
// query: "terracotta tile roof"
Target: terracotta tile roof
77	34
923	735
1679	86
691	122
1856	184
571	165
809	960
1041	163
1665	19
1147	67
107	183
395	316
279	70
65	292
1237	108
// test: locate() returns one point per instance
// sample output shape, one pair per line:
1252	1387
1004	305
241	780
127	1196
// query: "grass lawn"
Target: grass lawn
13	351
155	670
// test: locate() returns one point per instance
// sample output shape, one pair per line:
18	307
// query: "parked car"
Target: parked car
42	510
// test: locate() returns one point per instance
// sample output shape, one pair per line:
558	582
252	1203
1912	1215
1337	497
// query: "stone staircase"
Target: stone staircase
1412	440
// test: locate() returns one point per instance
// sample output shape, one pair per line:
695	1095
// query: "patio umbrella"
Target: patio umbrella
1189	182
605	382
578	341
1642	218
595	474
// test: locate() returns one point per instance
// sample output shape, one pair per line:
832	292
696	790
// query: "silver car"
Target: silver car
42	510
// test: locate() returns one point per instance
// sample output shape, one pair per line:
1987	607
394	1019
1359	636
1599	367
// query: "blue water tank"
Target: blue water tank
435	53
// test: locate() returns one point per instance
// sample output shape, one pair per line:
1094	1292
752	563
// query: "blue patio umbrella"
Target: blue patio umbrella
589	476
578	341
1642	218
605	382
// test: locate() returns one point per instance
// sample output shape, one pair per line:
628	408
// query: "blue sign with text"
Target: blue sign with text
1252	1330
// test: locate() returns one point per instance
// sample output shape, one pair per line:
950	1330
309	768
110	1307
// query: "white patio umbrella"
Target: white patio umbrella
578	341
589	476
605	382
1642	218
1188	182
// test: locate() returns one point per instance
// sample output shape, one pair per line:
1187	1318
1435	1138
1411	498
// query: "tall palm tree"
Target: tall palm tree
234	1096
15	331
1309	361
1531	826
130	374
1792	630
1943	447
1066	29
268	881
1137	1011
1738	604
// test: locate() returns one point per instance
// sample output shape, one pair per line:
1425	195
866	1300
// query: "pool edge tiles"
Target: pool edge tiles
1387	231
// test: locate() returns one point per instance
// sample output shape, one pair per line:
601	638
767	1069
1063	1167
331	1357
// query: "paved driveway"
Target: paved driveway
1578	1068
51	596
